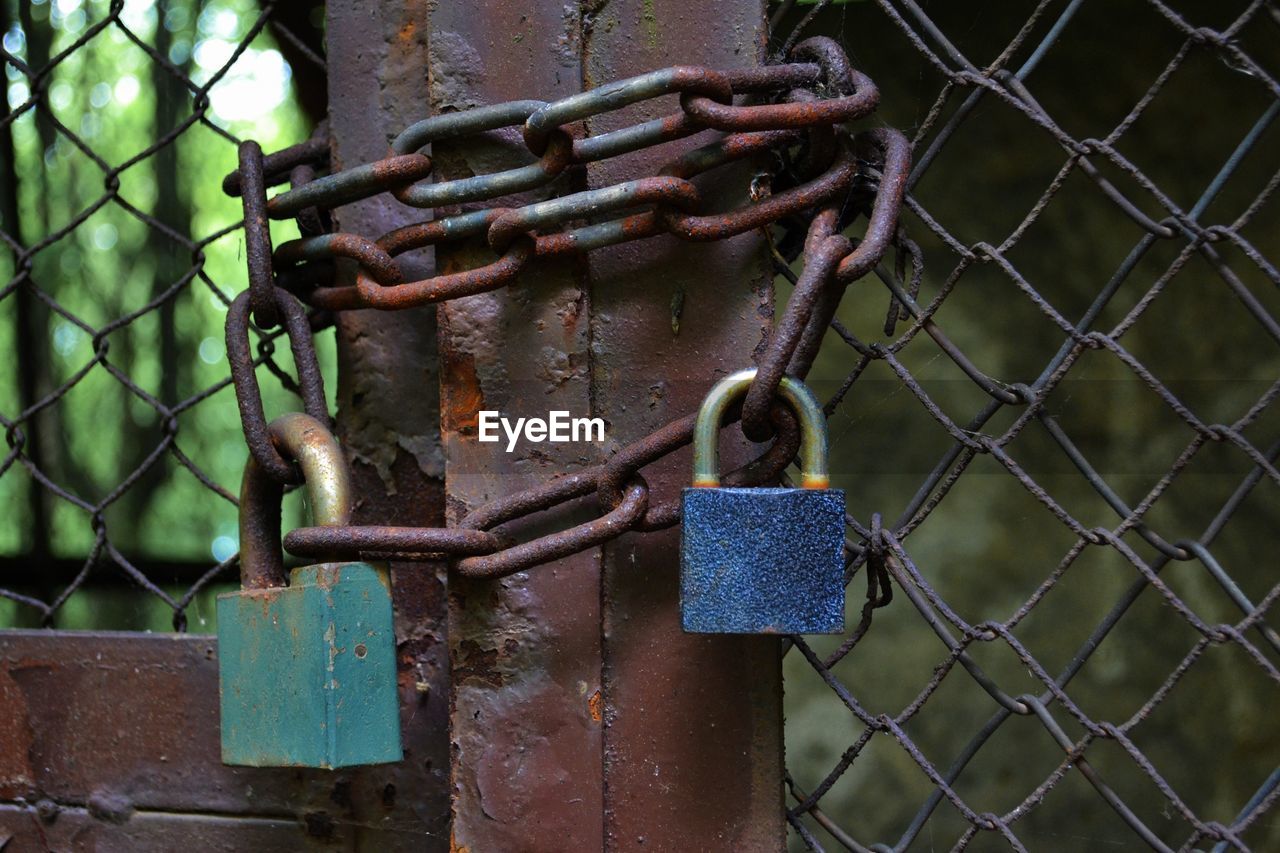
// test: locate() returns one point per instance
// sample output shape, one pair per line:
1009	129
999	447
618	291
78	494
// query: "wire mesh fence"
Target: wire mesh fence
1051	411
120	256
1064	643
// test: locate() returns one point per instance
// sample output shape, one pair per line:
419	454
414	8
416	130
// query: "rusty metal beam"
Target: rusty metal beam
693	744
526	723
112	739
78	828
582	717
388	398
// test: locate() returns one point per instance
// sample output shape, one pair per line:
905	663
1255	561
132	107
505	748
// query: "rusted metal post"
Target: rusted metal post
527	720
583	718
693	753
388	398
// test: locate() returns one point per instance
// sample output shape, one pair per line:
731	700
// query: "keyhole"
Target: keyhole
361	651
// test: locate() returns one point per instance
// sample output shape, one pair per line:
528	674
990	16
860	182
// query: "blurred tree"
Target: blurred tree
32	317
172	263
120	255
300	25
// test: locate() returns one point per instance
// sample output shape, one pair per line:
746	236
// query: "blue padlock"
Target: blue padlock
307	671
761	560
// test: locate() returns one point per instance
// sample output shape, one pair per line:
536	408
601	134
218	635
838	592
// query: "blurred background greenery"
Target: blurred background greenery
986	547
113	135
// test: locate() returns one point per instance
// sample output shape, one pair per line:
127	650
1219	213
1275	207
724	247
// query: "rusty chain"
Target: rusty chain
832	178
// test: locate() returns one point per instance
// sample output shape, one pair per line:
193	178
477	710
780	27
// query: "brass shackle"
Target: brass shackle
813	429
328	483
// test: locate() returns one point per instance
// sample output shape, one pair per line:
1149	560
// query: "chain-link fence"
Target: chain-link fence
1060	457
120	256
1052	420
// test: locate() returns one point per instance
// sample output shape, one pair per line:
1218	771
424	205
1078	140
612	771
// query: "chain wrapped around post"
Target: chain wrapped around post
797	112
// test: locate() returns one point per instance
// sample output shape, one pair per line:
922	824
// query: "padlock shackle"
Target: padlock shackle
304	440
813	429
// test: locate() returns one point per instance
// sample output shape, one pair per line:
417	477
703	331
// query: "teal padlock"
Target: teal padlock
307	671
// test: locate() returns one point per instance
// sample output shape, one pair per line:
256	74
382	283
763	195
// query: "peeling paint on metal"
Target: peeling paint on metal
292	694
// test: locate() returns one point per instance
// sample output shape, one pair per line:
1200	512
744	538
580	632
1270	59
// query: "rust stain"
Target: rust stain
477	664
16	738
461	397
569	315
595	705
327	576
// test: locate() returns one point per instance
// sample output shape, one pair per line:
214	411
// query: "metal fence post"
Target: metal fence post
525	651
582	716
388	400
693	752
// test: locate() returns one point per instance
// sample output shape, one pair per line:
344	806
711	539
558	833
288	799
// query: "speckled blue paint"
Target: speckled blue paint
762	561
307	673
